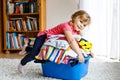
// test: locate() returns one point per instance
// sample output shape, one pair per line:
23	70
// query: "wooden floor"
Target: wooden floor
11	55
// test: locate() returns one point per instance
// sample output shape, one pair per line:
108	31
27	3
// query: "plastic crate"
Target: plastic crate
66	71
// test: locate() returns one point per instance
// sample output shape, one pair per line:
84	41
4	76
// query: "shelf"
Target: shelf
23	31
24	14
13	49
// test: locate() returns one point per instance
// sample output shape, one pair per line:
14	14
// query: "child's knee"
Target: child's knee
28	48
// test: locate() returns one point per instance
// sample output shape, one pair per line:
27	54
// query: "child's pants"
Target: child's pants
36	48
28	48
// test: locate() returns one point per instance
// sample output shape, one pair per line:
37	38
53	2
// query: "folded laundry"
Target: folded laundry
54	51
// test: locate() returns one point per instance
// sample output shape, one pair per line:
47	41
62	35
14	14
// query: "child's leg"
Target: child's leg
31	55
36	48
28	48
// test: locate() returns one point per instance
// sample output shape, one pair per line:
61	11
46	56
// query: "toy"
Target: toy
85	45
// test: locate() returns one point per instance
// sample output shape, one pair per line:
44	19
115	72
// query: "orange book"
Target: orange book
18	26
24	25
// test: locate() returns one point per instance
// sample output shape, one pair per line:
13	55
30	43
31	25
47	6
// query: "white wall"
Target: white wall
59	11
97	30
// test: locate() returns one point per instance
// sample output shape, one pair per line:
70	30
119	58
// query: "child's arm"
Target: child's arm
74	45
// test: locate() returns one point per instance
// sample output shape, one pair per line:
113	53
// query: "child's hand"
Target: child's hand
81	58
92	54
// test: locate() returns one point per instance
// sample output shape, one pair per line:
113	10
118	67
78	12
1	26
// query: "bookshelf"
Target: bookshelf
22	19
0	26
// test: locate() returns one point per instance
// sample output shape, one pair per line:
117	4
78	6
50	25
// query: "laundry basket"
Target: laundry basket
66	71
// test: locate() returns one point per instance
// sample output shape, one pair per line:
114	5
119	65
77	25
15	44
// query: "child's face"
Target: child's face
79	25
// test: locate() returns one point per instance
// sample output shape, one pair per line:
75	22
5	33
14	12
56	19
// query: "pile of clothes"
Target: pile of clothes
56	49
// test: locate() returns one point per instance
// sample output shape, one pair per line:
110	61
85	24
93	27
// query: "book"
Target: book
12	45
8	40
7	25
28	24
24	25
21	8
18	25
11	28
15	40
10	8
34	22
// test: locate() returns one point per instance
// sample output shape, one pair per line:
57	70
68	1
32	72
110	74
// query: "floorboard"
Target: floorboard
11	55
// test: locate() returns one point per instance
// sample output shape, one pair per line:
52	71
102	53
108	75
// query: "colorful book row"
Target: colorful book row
20	24
21	7
14	40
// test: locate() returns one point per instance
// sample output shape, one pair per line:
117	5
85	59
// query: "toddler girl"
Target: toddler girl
79	20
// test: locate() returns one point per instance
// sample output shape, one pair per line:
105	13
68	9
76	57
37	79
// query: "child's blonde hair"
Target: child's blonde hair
83	16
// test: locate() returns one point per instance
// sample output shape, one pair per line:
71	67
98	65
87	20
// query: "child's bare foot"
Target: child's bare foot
81	58
20	68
